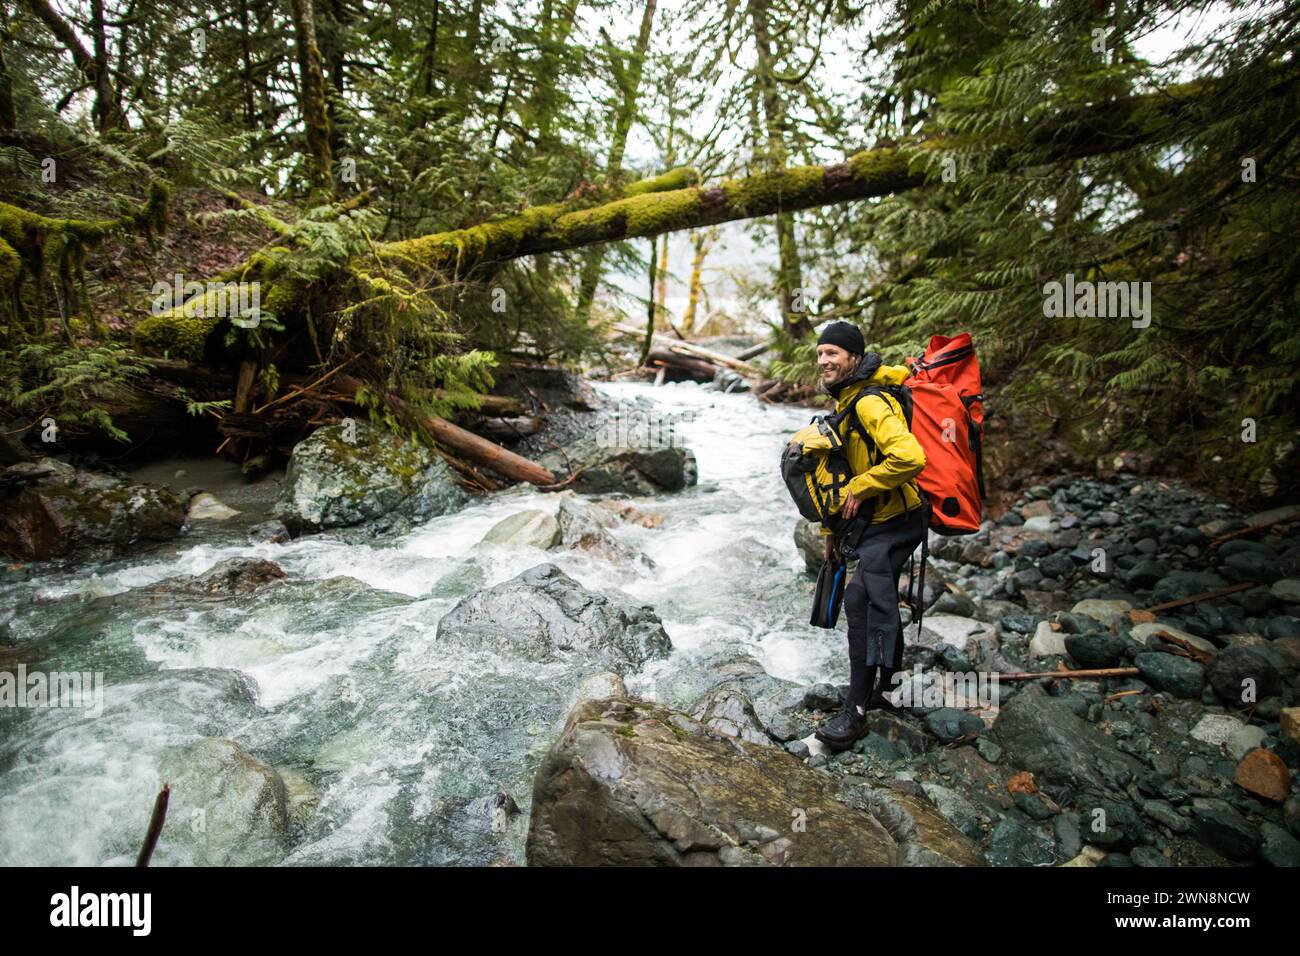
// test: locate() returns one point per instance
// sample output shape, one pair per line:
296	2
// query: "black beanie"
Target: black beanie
845	335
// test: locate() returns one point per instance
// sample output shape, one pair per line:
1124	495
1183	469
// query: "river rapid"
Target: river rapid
391	749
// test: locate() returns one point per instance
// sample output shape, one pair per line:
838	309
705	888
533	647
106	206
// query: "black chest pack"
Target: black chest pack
816	471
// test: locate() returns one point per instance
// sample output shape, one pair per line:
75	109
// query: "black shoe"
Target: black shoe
878	701
839	732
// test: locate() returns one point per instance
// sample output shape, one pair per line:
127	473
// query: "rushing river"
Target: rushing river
392	748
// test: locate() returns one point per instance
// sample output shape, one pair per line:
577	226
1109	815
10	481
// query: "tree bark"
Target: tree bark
106	114
628	78
311	93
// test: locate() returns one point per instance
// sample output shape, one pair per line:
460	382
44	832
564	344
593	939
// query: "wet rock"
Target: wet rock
234	807
949	724
598	686
208	507
730	712
1264	774
525	529
630	782
51	510
335	482
923	837
268	532
1011	844
1175	675
224	579
1148	856
691	675
1163	812
1277	847
1221	828
1285	626
822	697
1096	649
784	727
585	526
543	614
1239	668
1044	735
1181	584
636	471
810	544
301	798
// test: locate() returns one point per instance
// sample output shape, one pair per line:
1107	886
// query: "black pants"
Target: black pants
871	601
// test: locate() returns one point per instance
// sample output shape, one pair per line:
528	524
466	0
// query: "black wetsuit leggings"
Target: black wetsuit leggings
871	602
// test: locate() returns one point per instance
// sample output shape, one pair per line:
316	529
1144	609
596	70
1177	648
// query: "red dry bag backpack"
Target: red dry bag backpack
948	421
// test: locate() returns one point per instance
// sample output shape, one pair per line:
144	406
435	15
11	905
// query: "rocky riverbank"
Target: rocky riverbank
1186	757
384	670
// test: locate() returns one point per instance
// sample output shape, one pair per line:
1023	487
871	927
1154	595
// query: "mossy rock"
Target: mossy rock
353	473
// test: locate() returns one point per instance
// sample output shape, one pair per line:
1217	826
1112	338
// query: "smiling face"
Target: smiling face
835	363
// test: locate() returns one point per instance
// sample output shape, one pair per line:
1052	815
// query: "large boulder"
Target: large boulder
543	614
1044	735
229	808
601	467
352	473
630	782
49	509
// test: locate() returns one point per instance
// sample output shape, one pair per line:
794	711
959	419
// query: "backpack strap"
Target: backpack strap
852	414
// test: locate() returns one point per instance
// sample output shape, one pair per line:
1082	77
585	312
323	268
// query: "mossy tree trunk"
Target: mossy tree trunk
673	202
700	241
311	98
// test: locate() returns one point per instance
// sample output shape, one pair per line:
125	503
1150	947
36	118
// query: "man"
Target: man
884	496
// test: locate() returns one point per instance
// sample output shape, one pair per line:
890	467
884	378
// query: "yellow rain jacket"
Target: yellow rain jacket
889	475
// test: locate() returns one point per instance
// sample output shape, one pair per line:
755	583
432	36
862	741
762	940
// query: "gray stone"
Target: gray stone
730	712
949	724
633	470
543	614
1216	729
1176	675
525	529
243	802
1044	735
1097	649
628	784
1216	825
332	482
1277	847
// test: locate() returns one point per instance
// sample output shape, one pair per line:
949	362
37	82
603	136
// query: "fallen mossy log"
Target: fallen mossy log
187	330
664	204
29	242
477	449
